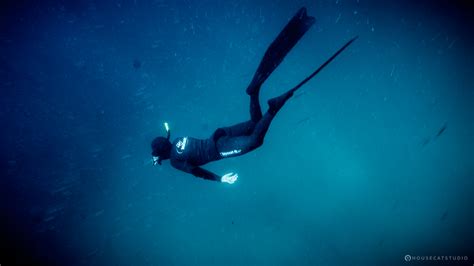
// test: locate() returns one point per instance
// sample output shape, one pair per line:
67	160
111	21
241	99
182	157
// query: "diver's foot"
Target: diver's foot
275	104
253	89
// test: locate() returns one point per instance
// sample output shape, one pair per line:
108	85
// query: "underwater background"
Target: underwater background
371	161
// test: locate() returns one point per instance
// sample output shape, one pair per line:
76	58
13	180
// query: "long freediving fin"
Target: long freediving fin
324	64
299	24
276	103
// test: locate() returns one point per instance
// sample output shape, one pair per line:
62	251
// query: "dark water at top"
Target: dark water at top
373	159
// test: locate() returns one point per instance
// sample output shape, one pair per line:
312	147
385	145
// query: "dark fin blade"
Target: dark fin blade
276	103
324	64
280	47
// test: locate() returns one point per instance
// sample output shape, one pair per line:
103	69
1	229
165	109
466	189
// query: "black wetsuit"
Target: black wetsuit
188	154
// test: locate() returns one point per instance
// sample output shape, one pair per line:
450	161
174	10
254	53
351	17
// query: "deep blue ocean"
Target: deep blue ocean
371	161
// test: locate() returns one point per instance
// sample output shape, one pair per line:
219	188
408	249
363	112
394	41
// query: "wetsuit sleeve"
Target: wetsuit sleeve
196	171
203	173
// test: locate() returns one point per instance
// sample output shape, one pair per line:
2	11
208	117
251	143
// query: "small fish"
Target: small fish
441	130
425	142
137	64
303	120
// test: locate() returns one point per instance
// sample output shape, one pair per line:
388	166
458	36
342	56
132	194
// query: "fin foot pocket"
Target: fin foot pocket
275	104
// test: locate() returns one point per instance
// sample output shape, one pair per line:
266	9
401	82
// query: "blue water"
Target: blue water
352	171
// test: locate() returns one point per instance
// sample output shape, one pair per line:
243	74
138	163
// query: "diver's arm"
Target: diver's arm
203	173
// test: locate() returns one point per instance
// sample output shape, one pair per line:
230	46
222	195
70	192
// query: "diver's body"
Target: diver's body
188	154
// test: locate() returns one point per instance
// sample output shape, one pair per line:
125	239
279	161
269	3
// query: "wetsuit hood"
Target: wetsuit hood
161	148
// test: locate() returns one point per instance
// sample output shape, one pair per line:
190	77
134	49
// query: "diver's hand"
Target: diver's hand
229	178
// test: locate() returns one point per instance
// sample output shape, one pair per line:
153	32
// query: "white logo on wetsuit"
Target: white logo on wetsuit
227	153
181	145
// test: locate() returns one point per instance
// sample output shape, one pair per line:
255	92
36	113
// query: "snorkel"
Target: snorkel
167	128
161	145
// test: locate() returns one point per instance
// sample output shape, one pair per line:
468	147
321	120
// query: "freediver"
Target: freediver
188	154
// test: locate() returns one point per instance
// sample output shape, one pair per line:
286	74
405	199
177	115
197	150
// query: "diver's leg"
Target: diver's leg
244	128
247	136
255	109
260	130
235	146
254	139
240	129
279	48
